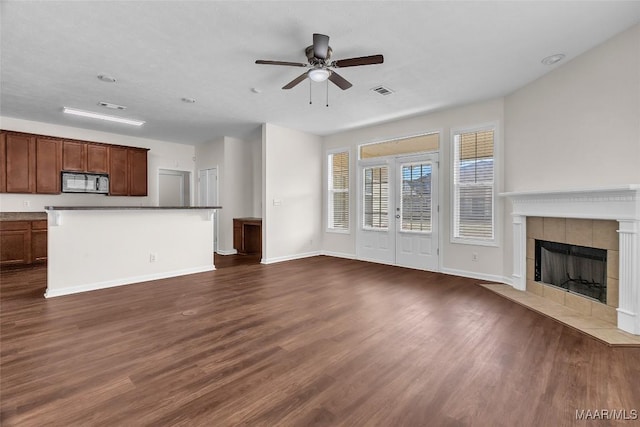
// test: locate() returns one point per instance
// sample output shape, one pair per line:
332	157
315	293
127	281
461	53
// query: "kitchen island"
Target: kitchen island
96	247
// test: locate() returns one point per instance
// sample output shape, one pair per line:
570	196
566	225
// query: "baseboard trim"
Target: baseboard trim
223	252
50	293
290	257
338	254
475	275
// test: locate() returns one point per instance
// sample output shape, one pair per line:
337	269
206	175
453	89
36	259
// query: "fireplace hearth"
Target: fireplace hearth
577	269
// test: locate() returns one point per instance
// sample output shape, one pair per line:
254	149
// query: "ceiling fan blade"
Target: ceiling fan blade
363	60
339	81
291	64
320	46
295	81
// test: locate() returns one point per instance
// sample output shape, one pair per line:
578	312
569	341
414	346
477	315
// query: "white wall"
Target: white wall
576	127
162	155
292	193
455	258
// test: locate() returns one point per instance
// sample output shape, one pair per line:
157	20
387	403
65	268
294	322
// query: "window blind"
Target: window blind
339	191
416	197
473	172
376	197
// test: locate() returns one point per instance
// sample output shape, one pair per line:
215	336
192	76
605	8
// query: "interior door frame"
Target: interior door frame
391	162
216	213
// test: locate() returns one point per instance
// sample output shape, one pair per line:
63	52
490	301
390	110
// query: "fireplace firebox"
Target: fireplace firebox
577	269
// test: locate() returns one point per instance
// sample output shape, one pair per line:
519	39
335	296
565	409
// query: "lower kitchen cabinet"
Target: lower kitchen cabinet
23	242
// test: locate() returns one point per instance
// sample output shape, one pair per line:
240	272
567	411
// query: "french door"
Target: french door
398	211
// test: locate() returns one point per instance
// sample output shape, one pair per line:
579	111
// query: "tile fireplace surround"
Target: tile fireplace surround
621	203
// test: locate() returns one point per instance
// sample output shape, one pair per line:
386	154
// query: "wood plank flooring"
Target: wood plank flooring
314	342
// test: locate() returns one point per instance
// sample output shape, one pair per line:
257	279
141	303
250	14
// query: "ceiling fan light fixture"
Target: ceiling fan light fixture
319	74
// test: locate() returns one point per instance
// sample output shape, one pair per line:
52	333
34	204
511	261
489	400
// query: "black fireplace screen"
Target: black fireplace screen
577	269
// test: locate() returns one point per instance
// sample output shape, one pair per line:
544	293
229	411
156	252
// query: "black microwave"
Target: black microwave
79	182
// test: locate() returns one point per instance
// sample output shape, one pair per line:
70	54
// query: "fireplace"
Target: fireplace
577	269
546	214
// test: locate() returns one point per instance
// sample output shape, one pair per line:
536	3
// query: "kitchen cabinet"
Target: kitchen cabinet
38	241
74	156
23	242
118	171
247	235
15	242
48	163
33	164
20	162
3	162
97	158
137	172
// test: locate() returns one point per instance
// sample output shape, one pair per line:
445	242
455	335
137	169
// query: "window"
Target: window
394	147
473	171
376	197
338	191
416	197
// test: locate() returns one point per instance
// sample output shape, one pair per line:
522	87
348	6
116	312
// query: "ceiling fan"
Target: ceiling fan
320	66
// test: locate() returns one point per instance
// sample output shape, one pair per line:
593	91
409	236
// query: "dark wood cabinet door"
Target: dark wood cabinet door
137	172
38	241
15	242
118	171
21	163
3	162
48	163
74	156
97	158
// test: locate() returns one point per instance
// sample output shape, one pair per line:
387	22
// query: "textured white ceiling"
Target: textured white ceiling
437	55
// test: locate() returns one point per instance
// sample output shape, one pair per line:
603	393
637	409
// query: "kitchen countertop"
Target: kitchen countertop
23	216
112	208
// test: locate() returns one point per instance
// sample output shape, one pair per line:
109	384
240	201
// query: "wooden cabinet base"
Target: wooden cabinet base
23	242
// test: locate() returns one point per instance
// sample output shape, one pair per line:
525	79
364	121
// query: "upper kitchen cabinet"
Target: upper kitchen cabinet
137	171
3	162
97	158
20	163
118	171
127	171
74	156
48	163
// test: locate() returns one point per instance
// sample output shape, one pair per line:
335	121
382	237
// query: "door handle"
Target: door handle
398	216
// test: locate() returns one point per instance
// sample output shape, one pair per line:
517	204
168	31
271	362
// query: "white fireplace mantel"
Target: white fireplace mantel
620	203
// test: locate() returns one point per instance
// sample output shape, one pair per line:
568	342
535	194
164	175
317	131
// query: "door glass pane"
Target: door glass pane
376	197
415	204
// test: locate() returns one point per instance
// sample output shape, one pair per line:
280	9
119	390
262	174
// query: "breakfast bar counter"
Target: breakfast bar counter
96	247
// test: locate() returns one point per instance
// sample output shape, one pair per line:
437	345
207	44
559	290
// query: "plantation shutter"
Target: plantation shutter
339	190
473	185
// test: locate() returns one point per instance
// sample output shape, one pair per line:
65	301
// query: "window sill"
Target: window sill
471	242
337	231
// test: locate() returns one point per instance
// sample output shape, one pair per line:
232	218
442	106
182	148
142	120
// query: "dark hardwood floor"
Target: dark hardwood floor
319	341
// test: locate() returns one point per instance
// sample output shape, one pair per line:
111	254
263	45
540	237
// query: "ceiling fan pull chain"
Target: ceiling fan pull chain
327	93
310	92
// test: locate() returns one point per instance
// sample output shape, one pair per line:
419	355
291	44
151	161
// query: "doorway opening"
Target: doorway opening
174	188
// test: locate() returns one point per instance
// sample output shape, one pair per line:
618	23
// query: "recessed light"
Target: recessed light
93	115
553	59
188	100
107	78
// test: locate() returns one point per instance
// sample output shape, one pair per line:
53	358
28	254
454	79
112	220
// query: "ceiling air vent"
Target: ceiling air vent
112	106
382	90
